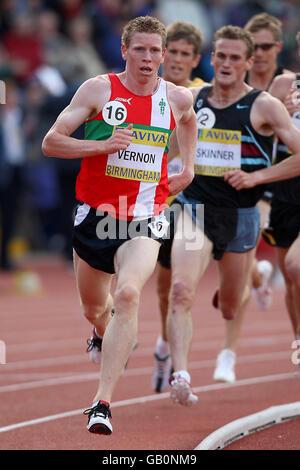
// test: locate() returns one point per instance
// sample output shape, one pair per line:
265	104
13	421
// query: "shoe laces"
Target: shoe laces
99	409
94	343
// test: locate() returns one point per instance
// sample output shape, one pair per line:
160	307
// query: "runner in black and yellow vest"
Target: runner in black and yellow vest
266	32
184	42
232	164
283	230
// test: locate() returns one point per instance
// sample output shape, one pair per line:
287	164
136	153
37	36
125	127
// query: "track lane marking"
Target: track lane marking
149	398
81	377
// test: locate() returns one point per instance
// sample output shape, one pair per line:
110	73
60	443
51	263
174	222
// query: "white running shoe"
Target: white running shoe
263	294
161	373
98	422
224	371
181	389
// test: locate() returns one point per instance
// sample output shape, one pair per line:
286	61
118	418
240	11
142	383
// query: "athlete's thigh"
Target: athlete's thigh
93	285
234	271
280	256
136	259
191	251
293	254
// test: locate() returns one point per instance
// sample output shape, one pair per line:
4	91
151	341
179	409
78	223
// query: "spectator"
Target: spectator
12	161
23	47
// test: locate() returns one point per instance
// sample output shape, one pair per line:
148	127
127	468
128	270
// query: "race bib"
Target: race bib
142	159
159	226
217	152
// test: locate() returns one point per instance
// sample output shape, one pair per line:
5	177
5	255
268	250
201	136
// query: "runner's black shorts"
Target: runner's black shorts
229	229
284	224
96	238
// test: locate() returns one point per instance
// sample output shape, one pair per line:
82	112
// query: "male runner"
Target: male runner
123	185
235	141
183	53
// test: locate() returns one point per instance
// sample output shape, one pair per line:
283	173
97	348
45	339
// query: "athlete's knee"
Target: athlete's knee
292	267
93	311
127	294
182	294
228	308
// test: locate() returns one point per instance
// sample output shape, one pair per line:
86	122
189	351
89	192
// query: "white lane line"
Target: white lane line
82	377
149	398
250	424
144	351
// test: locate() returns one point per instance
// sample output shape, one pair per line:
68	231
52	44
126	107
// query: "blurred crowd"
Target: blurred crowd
47	49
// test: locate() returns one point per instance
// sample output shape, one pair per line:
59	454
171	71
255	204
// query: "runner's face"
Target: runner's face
265	60
179	62
144	55
230	61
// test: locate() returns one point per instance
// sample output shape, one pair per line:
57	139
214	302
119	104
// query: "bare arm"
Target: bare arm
284	87
274	114
57	142
186	132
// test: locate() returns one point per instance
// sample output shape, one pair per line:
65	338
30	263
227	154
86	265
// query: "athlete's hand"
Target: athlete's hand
119	140
239	179
179	181
292	101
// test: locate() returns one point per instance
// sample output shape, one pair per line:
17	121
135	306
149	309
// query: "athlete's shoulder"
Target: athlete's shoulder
179	96
268	106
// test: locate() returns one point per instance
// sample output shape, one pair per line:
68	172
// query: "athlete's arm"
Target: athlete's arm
273	115
181	101
87	102
284	87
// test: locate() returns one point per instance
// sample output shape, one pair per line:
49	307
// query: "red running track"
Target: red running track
48	380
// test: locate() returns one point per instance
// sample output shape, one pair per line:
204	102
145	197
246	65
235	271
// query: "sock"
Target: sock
185	375
101	401
162	348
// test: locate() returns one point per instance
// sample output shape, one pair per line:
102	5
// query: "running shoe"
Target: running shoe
224	371
181	391
94	347
162	371
98	421
263	294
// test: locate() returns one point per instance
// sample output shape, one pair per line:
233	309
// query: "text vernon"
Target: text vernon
136	156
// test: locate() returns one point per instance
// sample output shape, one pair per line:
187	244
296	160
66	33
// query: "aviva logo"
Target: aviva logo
219	135
149	137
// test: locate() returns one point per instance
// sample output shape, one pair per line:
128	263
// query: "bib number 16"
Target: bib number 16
114	113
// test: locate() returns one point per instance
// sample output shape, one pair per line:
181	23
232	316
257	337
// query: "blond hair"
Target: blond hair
144	24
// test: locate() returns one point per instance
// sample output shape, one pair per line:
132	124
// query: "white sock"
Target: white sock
162	348
185	375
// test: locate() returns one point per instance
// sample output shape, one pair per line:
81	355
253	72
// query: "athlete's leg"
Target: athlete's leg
257	277
163	291
234	293
135	261
94	292
290	265
188	266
